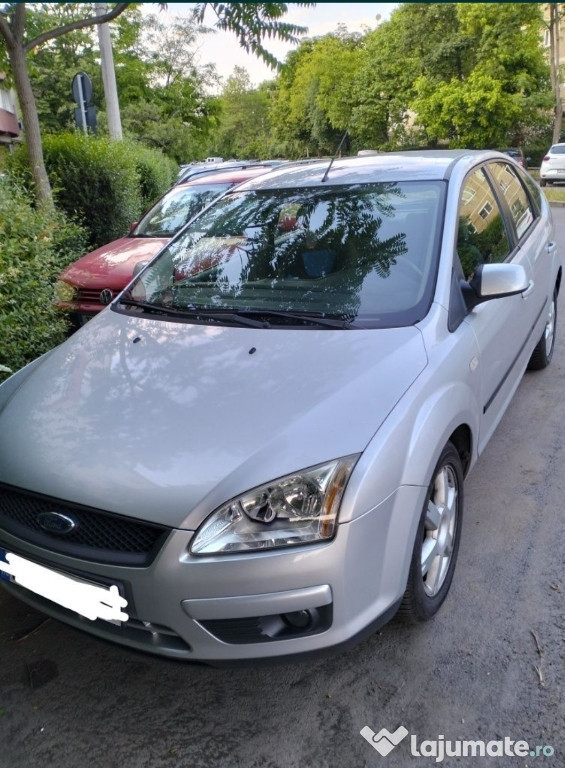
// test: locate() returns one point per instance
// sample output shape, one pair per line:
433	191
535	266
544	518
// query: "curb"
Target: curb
556	204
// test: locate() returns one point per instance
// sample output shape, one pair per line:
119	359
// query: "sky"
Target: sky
223	49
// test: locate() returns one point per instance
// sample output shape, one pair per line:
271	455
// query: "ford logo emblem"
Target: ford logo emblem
55	522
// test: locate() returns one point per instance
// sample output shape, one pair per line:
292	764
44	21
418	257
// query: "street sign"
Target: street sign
82	88
88	115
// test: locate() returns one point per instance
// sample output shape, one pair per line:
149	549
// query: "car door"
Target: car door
533	233
501	326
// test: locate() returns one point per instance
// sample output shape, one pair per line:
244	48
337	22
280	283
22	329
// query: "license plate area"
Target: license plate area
87	598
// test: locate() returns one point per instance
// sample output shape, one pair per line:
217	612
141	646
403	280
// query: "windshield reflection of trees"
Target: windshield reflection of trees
259	263
173	213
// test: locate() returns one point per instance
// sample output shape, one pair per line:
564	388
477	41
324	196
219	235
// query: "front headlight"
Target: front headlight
297	509
64	293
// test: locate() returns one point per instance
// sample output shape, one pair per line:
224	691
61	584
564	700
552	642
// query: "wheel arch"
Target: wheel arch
406	448
462	439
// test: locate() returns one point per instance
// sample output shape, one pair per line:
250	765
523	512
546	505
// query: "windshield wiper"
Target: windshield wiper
308	318
197	314
244	317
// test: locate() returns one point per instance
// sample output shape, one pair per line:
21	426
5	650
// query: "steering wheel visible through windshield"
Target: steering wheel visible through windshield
363	255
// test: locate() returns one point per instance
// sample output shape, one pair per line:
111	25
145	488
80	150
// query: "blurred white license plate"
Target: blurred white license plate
94	601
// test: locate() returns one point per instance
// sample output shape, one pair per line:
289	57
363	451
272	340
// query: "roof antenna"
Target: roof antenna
341	143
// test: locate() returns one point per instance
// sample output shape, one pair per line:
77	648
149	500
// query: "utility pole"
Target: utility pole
109	76
554	34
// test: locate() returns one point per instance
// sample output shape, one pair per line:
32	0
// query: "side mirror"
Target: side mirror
494	281
138	267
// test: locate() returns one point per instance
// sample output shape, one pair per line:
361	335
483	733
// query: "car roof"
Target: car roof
392	166
211	169
234	176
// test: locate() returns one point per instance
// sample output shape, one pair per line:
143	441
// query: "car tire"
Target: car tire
437	541
542	354
542	182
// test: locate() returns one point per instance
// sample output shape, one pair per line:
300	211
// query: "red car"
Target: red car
87	285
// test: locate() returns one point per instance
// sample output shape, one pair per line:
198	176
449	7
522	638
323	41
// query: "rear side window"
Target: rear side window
511	188
534	190
482	237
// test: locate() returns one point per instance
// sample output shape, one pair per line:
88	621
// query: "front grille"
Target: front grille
87	294
99	536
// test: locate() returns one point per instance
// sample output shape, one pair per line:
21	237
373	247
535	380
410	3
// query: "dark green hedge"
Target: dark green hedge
104	185
34	247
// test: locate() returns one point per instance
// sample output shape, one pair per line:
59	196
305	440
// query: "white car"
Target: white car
258	449
552	167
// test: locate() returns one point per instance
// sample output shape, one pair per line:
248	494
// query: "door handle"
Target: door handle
528	290
551	247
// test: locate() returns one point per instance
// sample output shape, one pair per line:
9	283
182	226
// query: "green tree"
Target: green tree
243	129
502	86
420	39
313	103
21	36
251	22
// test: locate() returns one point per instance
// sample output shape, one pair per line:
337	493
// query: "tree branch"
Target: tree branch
6	32
78	24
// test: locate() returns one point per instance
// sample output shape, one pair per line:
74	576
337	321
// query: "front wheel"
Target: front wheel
542	354
437	540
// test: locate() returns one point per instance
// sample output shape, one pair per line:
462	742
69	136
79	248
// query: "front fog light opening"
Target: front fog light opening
298	619
265	629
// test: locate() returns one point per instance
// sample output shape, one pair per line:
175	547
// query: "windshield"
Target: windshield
177	207
363	253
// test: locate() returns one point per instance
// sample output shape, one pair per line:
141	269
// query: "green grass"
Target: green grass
555	194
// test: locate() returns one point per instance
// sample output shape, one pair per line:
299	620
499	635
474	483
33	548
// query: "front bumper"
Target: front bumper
269	604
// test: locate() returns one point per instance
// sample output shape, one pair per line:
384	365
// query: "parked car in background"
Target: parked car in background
206	169
552	167
87	285
516	154
259	448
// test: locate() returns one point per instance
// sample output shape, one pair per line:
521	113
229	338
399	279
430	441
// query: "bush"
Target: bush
156	171
34	247
104	185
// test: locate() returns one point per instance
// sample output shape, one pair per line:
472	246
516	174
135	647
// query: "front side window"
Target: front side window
515	195
482	237
364	255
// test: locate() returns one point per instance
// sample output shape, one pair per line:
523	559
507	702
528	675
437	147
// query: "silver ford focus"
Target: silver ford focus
259	448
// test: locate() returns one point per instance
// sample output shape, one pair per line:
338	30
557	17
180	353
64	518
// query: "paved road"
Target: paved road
492	664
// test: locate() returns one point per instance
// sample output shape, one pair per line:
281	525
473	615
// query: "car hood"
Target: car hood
165	421
111	266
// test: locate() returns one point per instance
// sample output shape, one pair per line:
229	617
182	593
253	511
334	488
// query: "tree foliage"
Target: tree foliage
252	23
497	91
466	74
243	129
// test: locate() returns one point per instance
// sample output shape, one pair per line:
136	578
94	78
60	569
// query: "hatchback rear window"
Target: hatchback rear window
558	149
177	207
